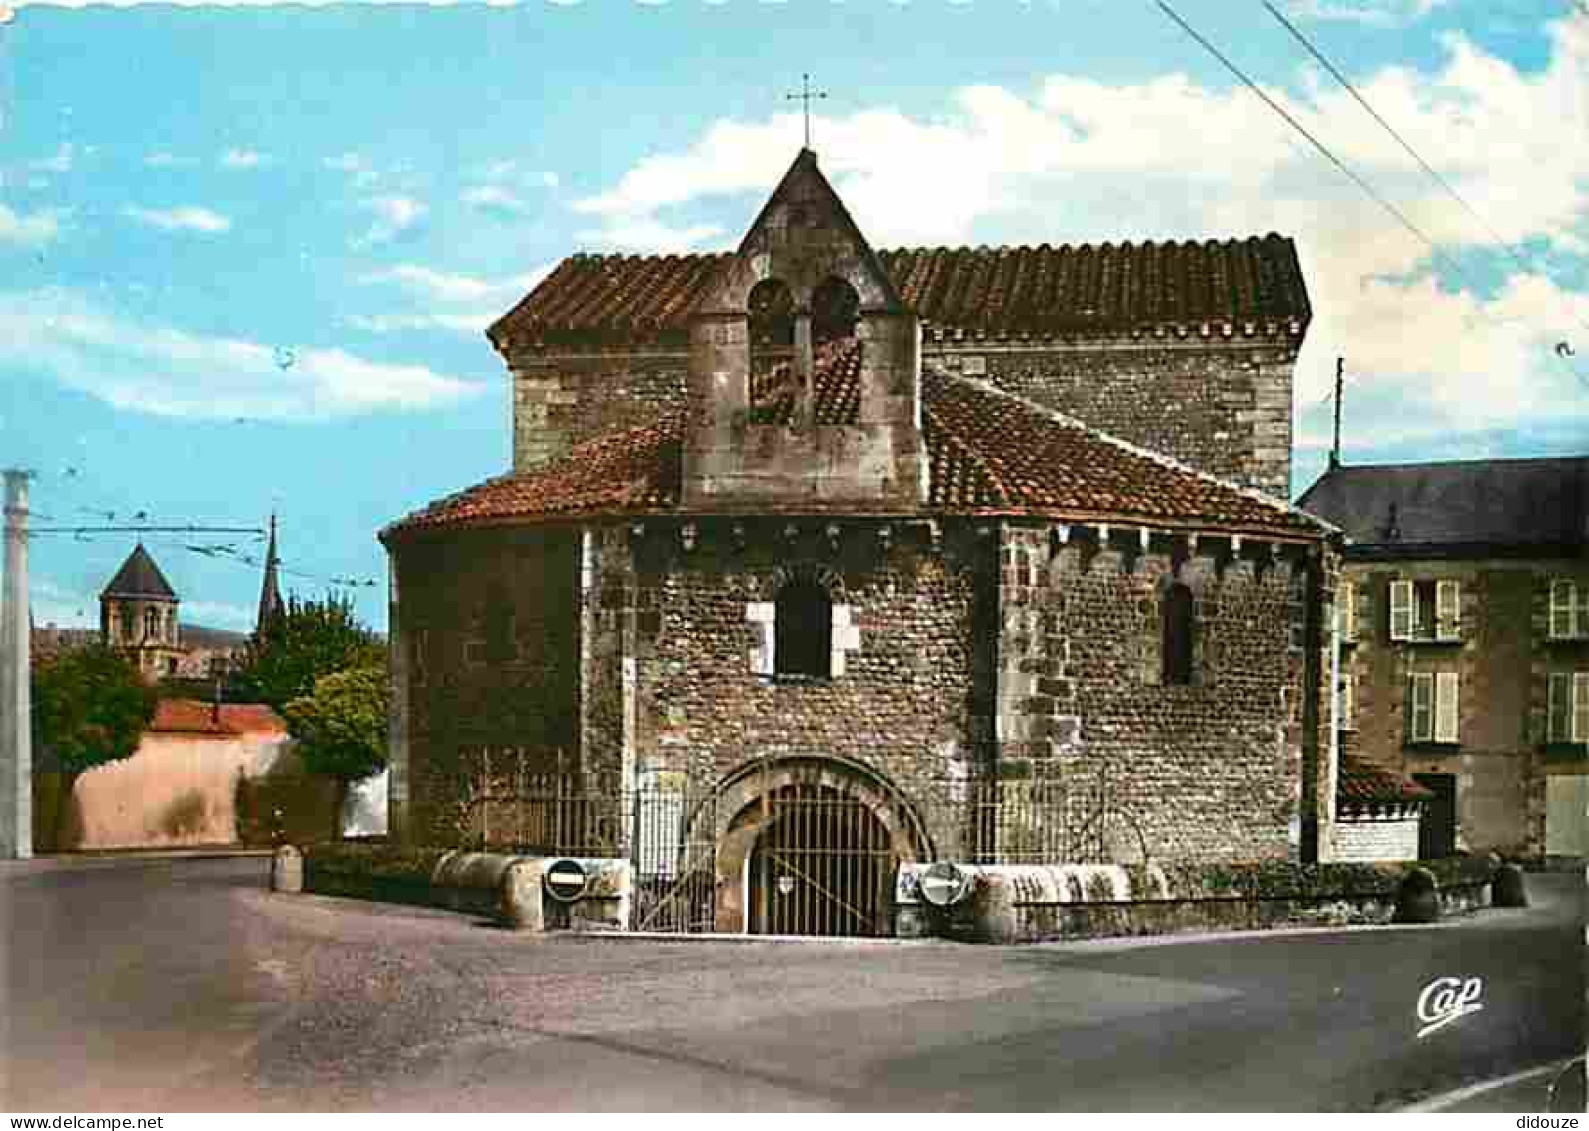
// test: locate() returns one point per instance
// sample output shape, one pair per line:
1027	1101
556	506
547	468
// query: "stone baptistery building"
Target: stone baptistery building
817	562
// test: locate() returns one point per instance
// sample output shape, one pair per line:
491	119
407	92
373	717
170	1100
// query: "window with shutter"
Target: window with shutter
1558	708
1580	707
1348	708
1401	607
1446	707
1348	601
1420	708
1448	610
1581	626
1569	615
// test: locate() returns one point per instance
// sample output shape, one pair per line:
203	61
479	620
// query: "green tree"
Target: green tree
307	640
90	707
341	726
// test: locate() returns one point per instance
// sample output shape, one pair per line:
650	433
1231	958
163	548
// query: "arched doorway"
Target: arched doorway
823	864
811	845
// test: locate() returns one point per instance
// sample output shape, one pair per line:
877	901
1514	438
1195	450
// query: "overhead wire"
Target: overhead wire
1356	178
1451	190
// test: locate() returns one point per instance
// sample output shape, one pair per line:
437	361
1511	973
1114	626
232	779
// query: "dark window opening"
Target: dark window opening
835	310
1178	627
774	384
803	631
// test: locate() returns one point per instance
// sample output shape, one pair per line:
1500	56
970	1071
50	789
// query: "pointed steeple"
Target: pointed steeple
270	603
139	577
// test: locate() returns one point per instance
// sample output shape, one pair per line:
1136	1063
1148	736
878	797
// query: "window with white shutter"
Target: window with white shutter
1558	707
1580	707
1420	707
1446	707
1348	708
1448	610
1401	610
1563	609
1348	601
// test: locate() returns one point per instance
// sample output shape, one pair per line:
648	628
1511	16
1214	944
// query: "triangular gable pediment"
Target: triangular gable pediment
803	235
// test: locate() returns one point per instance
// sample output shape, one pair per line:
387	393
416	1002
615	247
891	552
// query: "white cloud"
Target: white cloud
476	302
168	372
548	179
395	323
186	219
394	216
492	198
345	163
1372	13
242	159
164	159
647	233
61	606
1079	160
58	162
29	229
218	614
258	3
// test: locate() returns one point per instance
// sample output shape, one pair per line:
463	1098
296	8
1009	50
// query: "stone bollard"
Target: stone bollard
286	871
993	909
1418	897
1507	889
521	895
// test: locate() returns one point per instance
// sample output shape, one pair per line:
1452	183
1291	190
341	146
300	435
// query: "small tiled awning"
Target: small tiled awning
1360	783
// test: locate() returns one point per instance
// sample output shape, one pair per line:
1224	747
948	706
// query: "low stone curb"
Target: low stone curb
66	862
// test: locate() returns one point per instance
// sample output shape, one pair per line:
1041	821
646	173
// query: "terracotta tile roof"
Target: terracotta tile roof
990	453
193	716
1362	783
835	380
997	453
1252	285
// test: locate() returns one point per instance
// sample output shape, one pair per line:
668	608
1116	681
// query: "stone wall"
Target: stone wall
1223	407
1204	771
487	627
703	702
1502	659
564	396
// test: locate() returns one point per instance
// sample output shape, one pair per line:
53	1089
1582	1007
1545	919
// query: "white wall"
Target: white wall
1566	815
176	790
1366	840
365	812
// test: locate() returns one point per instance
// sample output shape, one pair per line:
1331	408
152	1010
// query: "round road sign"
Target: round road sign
943	884
565	880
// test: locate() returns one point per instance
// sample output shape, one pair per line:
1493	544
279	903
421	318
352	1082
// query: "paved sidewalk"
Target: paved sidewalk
111	858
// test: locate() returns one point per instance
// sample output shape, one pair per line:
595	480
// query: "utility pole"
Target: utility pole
1340	381
16	715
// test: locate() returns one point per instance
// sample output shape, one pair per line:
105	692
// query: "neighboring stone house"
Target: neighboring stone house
824	560
1465	657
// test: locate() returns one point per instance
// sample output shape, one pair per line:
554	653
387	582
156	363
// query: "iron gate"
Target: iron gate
823	864
802	856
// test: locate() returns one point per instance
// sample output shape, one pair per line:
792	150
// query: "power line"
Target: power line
1450	189
1385	203
145	530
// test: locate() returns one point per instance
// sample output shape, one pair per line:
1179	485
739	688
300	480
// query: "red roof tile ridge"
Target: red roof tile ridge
1169	462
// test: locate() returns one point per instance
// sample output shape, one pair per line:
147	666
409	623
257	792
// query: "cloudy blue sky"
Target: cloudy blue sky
247	253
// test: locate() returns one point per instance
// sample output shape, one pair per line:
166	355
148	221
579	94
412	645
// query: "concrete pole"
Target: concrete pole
16	734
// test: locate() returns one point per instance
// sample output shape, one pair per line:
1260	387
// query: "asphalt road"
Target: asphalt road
186	985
